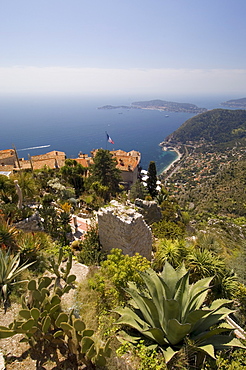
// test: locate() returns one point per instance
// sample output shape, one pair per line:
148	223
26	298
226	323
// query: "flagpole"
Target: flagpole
106	140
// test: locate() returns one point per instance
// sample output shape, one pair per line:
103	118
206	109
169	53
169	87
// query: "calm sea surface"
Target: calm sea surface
74	124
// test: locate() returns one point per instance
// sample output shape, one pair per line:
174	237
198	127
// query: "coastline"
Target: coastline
179	156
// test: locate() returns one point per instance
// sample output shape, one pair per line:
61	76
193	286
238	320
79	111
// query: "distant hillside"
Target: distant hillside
211	175
161	105
222	193
235	103
168	106
220	127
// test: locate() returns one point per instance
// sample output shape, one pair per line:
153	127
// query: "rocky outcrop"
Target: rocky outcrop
124	228
30	224
149	209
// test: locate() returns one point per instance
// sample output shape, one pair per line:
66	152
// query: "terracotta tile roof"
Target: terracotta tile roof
85	162
122	153
48	155
134	153
49	162
54	159
118	153
127	161
7	167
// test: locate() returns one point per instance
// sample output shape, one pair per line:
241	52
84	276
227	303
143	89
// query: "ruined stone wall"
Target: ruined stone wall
149	209
124	228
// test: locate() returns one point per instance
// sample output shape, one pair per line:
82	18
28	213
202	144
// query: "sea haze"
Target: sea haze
73	124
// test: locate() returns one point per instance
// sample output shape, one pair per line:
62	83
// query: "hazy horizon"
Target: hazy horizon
159	48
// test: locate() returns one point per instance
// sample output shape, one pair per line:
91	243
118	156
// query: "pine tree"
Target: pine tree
105	172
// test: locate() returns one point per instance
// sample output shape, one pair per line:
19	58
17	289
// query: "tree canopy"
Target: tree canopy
105	172
73	172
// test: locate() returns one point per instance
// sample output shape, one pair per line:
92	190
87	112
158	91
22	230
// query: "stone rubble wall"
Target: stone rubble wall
124	228
149	209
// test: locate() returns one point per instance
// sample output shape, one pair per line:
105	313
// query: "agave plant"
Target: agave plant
9	271
169	313
8	235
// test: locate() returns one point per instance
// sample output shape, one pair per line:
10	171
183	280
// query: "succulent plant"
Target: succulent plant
170	312
10	269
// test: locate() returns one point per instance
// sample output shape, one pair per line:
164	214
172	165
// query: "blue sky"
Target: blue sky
104	47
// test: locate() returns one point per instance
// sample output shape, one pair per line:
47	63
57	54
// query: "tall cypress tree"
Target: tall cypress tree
152	178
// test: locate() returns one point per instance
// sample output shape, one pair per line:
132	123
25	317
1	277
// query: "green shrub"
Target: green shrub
168	229
91	249
115	272
142	357
232	360
31	248
240	301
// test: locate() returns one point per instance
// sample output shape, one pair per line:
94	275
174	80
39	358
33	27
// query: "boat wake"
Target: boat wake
35	147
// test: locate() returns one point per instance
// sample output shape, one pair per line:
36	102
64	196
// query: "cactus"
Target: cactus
43	322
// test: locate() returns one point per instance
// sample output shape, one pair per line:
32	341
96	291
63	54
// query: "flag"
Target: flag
109	139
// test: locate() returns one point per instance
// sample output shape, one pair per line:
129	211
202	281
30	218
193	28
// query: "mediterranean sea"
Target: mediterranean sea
73	124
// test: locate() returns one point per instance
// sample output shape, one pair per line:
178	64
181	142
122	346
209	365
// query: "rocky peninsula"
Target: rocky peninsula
161	105
235	103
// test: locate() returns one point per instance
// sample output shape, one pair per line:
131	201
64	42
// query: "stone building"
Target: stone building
9	160
8	157
127	162
122	227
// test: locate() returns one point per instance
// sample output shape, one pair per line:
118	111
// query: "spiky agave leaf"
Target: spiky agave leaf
171	277
170	312
146	306
9	271
217	312
169	353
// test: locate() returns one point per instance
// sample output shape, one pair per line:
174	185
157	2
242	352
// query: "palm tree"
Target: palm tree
204	263
211	241
7	190
27	184
172	251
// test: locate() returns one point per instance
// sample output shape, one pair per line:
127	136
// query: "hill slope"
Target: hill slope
212	173
235	103
221	127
